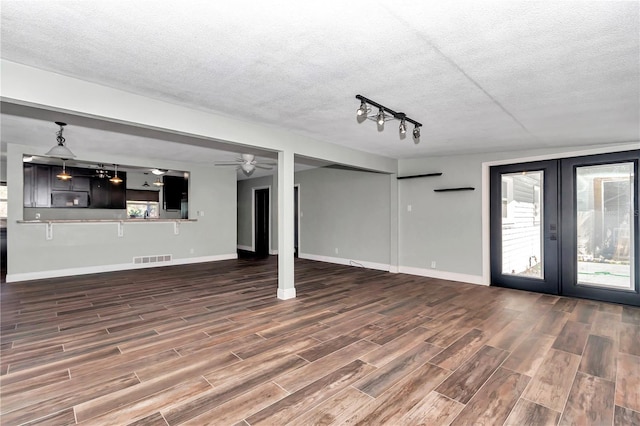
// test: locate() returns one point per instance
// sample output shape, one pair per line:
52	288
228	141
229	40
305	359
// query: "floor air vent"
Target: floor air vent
152	259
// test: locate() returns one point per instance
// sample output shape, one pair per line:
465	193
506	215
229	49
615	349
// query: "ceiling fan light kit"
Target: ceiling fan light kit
247	163
384	114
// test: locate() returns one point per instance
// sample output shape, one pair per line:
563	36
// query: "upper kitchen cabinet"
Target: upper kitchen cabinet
37	185
80	180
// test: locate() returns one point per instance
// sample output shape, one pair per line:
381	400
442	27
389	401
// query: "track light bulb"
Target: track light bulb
380	117
416	132
363	109
403	127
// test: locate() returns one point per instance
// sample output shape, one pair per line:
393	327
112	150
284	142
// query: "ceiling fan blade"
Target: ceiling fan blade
226	163
258	166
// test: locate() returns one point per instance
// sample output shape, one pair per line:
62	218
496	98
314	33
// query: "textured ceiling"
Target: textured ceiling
480	76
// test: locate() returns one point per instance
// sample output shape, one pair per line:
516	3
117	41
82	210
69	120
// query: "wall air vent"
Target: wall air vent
152	259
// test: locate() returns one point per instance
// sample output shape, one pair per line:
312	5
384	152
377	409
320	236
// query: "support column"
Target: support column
286	277
394	203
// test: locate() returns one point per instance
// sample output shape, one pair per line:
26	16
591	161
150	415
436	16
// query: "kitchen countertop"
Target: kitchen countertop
106	220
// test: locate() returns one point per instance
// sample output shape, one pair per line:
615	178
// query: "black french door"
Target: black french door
525	226
568	227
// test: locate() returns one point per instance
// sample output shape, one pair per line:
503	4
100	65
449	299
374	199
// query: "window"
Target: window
143	209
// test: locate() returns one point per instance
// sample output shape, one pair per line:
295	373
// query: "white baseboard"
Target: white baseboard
27	276
394	269
251	249
443	275
286	293
348	262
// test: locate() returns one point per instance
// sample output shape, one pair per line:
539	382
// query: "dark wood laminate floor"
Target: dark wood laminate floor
210	344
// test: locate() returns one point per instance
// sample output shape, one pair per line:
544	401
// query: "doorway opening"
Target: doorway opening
261	222
296	220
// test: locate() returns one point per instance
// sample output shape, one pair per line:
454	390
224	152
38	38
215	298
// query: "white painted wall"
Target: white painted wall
89	247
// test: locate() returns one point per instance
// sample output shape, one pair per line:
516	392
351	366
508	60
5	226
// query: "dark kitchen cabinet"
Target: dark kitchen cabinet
175	193
108	195
43	189
37	185
80	180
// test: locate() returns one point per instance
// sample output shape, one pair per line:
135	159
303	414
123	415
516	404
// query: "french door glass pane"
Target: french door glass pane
522	224
604	196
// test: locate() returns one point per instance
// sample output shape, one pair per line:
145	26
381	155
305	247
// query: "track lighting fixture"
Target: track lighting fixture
115	179
384	114
64	175
60	149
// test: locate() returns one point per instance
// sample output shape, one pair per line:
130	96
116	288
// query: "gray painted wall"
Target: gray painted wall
245	209
332	203
347	210
441	227
80	245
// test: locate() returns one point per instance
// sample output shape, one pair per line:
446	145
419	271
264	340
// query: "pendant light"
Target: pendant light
115	179
64	175
158	182
60	150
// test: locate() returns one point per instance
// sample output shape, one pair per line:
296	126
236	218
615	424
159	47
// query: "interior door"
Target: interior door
525	226
261	231
600	233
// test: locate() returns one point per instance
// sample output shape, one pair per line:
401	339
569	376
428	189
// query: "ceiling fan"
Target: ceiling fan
102	173
247	163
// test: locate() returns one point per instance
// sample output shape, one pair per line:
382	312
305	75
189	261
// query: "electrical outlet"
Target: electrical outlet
336	250
433	264
192	251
